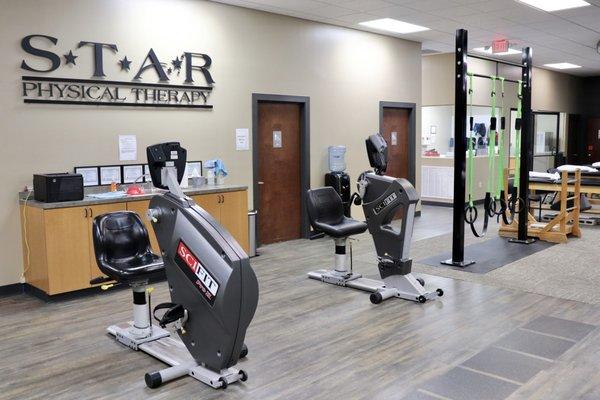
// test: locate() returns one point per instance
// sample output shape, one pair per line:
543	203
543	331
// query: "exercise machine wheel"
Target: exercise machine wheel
243	375
223	383
440	292
244	351
376	298
421	281
153	380
422	299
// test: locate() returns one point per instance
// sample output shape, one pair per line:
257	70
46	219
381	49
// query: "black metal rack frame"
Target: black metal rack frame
460	147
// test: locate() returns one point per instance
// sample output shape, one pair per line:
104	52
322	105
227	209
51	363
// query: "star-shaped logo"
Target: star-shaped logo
176	64
70	58
125	64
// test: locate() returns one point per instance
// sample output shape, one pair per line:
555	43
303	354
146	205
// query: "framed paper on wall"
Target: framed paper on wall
194	169
132	173
110	174
147	177
91	175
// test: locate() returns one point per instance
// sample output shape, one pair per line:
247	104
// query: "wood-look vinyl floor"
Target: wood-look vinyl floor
308	340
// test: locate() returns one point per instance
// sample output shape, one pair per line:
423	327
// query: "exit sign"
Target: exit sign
500	46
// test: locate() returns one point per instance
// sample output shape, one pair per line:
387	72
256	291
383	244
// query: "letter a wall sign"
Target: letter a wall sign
180	81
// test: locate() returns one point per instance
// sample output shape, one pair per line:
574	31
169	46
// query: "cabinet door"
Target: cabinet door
210	203
67	249
93	212
234	216
140	207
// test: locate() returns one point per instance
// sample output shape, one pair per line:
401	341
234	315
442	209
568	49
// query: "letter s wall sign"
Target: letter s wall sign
183	82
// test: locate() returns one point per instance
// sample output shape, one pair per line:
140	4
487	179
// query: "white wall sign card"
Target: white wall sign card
242	139
127	148
277	140
394	138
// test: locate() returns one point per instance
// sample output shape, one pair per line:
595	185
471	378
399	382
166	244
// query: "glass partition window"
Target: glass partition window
545	140
437	137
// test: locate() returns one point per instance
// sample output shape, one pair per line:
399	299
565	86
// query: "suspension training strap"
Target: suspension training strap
492	141
470	152
501	149
518	123
470	209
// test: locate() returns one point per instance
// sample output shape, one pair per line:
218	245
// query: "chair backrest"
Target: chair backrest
324	205
119	236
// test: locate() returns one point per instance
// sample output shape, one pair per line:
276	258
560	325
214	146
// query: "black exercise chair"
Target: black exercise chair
122	249
326	214
123	253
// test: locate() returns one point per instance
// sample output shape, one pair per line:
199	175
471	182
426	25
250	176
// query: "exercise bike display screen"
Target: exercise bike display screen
191	266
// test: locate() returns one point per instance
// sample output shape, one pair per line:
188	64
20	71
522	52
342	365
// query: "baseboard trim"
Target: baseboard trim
12	289
26	288
444	204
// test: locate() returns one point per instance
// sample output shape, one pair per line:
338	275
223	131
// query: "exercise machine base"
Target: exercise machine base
162	346
405	286
460	264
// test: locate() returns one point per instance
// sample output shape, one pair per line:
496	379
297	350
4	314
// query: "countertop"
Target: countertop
90	201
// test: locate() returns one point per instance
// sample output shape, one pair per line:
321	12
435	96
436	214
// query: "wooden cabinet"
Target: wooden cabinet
61	251
230	209
140	207
58	249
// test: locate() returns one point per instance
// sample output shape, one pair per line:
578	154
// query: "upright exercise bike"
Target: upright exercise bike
381	197
214	291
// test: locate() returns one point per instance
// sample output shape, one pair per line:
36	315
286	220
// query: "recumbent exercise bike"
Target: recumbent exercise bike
381	197
214	291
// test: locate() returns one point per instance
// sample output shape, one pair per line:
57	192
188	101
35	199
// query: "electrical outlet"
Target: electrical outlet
479	184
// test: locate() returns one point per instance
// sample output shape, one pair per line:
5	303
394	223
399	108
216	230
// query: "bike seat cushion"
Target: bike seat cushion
122	248
326	214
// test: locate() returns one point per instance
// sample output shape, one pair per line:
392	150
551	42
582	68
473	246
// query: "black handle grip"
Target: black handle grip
471	123
173	313
518	124
503	123
493	124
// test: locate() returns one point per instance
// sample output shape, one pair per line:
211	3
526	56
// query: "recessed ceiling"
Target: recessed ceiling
561	36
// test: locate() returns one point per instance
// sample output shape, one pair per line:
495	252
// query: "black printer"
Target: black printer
51	188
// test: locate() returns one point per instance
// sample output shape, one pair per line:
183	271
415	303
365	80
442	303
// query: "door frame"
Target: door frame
412	133
304	102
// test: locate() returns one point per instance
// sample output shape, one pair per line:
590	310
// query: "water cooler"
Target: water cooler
337	178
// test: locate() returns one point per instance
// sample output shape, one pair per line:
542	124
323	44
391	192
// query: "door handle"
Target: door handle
91	213
222	198
86	212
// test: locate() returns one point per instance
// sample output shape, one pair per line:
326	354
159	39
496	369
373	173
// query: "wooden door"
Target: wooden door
93	212
211	203
593	141
395	131
140	207
279	171
234	216
68	256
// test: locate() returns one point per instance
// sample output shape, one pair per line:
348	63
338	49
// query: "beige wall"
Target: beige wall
344	72
552	91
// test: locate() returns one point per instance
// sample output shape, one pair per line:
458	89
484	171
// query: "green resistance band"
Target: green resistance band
501	144
470	151
492	140
518	124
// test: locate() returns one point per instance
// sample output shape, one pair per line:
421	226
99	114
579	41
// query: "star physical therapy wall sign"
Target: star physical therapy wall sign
192	68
